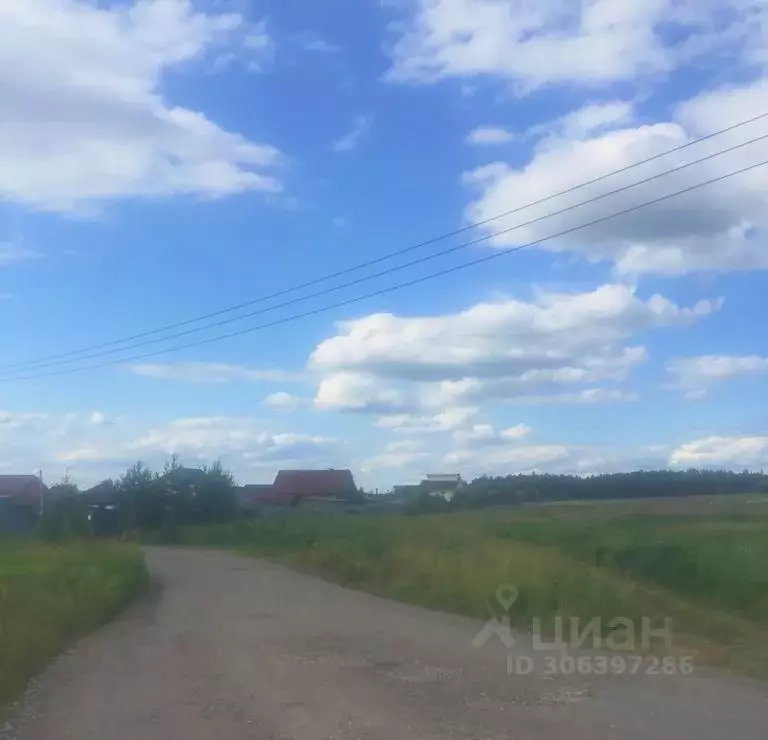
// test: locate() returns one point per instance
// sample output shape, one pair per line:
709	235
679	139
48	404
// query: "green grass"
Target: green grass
50	595
702	563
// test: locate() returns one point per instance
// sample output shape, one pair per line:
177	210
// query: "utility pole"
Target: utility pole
41	488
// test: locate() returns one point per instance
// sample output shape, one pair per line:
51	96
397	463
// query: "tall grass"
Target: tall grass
49	595
707	574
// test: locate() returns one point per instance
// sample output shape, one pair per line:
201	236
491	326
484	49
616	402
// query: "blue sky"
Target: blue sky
164	159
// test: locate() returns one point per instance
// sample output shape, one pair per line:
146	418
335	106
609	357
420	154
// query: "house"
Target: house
300	487
406	492
22	498
103	503
445	485
256	498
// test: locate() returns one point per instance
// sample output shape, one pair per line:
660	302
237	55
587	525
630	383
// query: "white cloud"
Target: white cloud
361	126
489	135
589	119
213	372
728	452
586	42
719	227
12	253
521	458
445	421
503	349
85	120
242	443
484	435
320	46
695	375
11	421
98	419
358	392
283	401
398	455
585	396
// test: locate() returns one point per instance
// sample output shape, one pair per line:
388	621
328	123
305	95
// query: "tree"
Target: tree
142	498
216	497
64	518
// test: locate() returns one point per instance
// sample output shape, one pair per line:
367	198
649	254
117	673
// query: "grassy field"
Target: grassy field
50	595
701	562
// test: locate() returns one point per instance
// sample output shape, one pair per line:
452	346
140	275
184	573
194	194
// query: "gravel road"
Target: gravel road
230	648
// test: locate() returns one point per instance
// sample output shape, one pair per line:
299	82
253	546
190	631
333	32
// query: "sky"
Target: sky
163	160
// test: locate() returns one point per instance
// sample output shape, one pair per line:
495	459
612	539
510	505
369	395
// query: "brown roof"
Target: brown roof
22	489
257	494
302	483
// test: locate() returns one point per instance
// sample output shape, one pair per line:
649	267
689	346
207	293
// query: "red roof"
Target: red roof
301	483
23	489
256	494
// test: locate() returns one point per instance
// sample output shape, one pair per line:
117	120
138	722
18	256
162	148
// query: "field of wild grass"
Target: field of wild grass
49	595
702	562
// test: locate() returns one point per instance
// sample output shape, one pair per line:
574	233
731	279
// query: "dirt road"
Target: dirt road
237	649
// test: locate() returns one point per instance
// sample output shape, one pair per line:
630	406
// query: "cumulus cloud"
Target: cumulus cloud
95	446
719	227
489	135
506	348
586	42
213	372
359	392
585	396
402	455
514	458
727	452
485	435
282	401
694	375
361	126
444	421
85	118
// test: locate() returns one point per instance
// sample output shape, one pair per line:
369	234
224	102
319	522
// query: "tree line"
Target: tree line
142	500
541	487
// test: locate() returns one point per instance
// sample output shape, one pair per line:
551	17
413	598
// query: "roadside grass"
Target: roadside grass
50	595
704	568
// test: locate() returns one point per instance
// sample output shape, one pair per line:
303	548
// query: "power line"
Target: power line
41	361
390	289
398	268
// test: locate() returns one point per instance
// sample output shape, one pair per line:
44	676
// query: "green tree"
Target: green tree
142	497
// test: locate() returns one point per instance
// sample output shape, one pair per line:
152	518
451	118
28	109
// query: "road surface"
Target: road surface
237	649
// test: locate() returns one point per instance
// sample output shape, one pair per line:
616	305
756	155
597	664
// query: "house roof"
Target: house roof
105	493
434	483
258	493
292	483
22	489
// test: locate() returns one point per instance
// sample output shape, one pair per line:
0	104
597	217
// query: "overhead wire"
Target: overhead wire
45	361
392	288
388	271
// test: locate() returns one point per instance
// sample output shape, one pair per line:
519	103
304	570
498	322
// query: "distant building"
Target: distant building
406	492
256	498
297	487
103	504
444	485
22	498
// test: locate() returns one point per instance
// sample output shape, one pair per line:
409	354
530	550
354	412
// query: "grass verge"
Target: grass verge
50	595
704	573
